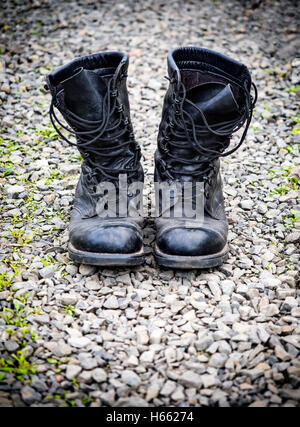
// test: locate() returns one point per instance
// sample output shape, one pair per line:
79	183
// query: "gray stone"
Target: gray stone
99	375
11	346
293	340
14	191
290	303
191	379
89	363
168	388
87	270
270	310
79	342
124	279
227	287
215	289
204	342
69	299
29	395
93	284
293	237
4	295
39	385
129	402
42	319
131	378
108	398
47	272
218	360
290	394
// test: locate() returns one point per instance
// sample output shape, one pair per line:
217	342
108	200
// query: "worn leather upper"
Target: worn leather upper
206	88
91	94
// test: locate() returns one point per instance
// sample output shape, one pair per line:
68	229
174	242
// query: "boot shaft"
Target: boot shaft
91	94
207	100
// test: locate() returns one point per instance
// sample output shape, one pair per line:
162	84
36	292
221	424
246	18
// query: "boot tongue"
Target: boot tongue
84	93
216	101
218	104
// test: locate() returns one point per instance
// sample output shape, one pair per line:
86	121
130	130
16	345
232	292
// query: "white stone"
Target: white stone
247	204
142	336
227	287
111	302
156	336
14	191
147	356
79	342
73	371
208	380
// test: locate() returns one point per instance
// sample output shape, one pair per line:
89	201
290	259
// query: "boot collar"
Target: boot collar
204	59
117	60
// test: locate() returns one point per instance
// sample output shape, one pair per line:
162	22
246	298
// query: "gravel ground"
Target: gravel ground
79	336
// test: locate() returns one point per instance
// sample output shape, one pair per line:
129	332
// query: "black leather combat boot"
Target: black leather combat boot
208	99
91	94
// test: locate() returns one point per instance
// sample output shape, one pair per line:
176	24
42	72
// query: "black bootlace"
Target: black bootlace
91	131
181	125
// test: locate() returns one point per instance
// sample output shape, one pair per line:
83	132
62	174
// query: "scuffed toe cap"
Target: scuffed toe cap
118	239
190	242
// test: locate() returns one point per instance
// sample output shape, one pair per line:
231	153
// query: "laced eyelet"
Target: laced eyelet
120	108
165	150
114	93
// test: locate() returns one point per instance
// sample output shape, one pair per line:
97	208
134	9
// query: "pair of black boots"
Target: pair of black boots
207	100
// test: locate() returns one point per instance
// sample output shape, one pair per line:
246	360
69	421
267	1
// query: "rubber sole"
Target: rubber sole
190	262
106	260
